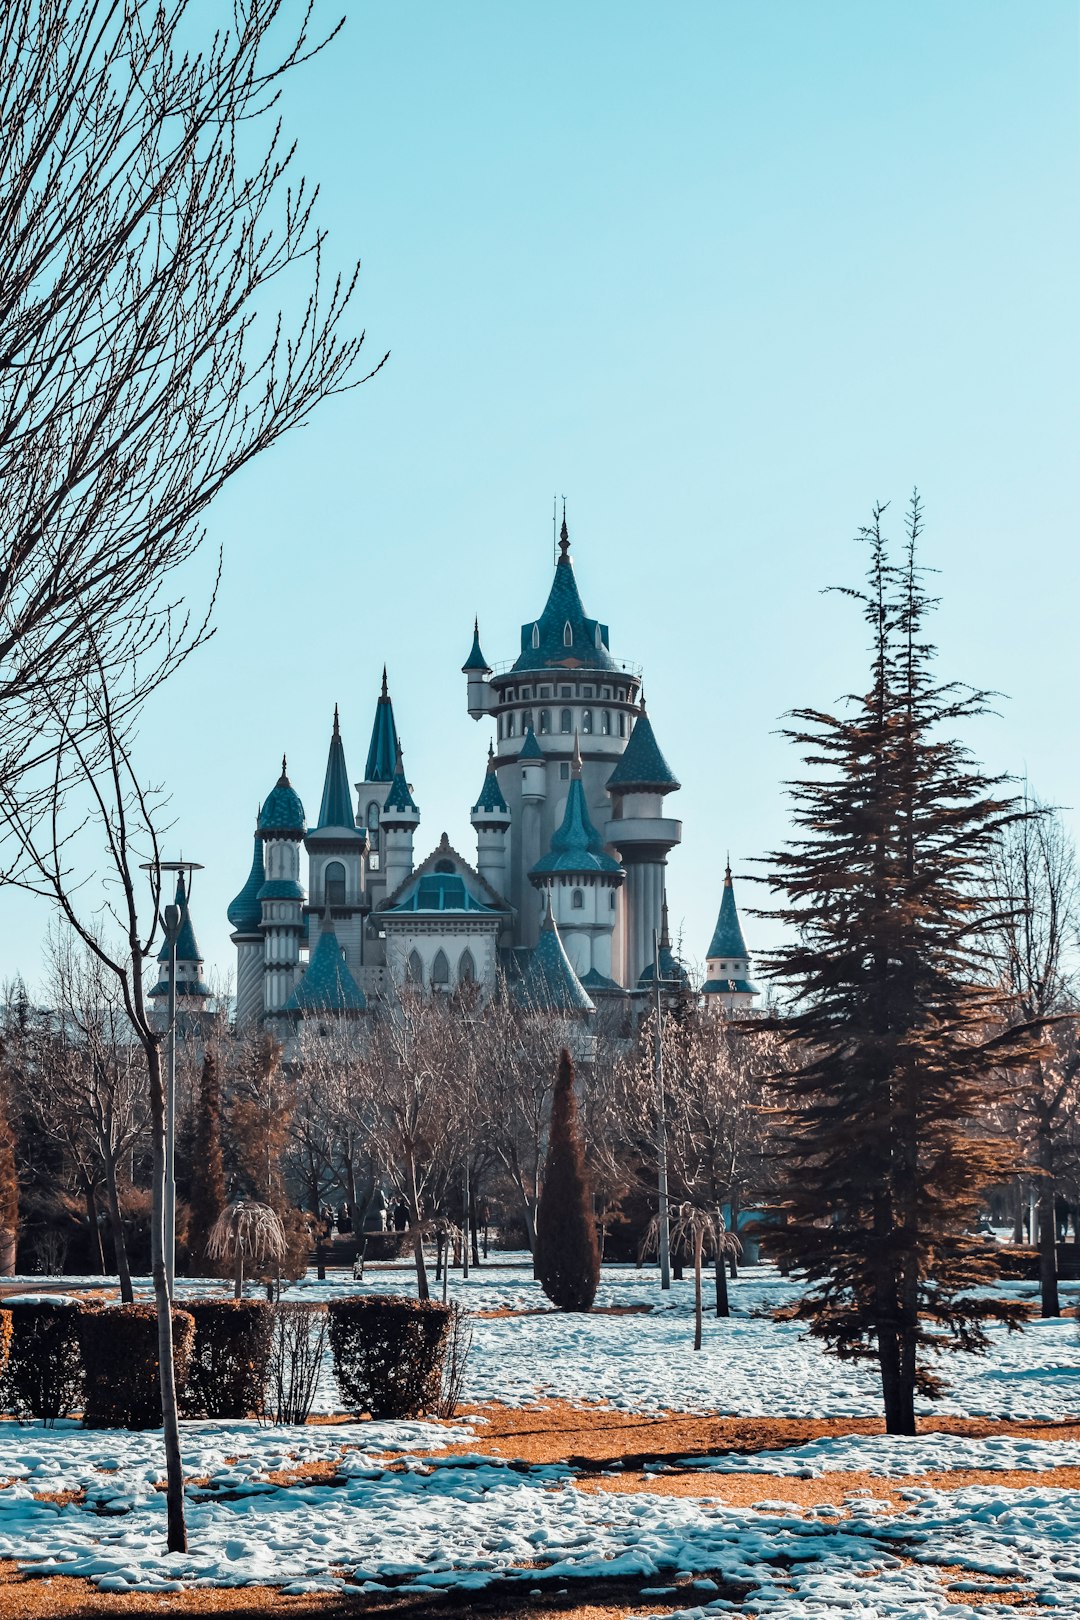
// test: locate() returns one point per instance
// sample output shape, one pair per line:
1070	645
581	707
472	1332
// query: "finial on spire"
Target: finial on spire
564	536
337	728
384	692
641	702
284	769
398	766
491	756
665	937
727	870
575	768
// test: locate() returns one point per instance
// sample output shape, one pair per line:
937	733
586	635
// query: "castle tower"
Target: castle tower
371	792
335	850
191	993
245	914
580	881
400	819
644	837
281	828
727	984
491	818
563	683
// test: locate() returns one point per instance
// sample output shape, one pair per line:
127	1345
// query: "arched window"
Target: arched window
334	884
415	968
526	722
440	972
510	725
622	725
500	728
466	969
373	825
536	635
545	722
612	907
586	722
567	635
605	723
564	721
577	901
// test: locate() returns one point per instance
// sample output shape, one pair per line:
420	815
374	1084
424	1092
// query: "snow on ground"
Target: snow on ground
433	1522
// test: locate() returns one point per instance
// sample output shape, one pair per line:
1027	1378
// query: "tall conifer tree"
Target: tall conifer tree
207	1171
895	1034
567	1251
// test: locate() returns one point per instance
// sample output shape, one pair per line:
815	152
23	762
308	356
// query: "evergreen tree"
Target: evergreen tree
896	1039
9	1197
207	1171
567	1251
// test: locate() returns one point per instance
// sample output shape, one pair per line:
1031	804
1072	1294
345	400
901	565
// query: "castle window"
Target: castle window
466	969
536	635
415	968
605	723
577	900
566	691
586	722
444	866
373	826
587	691
334	884
526	722
565	721
544	692
526	693
564	771
545	722
606	692
440	972
567	635
622	725
613	899
509	725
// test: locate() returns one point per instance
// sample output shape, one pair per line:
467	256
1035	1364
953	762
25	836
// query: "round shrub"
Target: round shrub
231	1357
120	1357
388	1353
43	1377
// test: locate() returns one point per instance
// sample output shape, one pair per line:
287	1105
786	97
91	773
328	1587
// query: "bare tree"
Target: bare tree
148	207
1035	882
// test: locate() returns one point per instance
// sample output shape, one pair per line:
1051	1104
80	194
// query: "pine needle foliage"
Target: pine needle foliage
208	1174
567	1251
895	1037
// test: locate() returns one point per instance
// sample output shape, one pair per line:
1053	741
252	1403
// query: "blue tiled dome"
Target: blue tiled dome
282	812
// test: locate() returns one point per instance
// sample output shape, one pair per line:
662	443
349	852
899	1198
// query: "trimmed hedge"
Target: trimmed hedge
44	1373
120	1354
231	1359
388	1353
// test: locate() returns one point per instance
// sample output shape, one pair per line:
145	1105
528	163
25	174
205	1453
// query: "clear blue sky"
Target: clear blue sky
723	274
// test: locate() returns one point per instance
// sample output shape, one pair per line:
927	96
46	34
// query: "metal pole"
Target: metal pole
468	1222
661	1130
172	929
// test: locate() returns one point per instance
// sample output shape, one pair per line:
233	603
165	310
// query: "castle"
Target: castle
567	894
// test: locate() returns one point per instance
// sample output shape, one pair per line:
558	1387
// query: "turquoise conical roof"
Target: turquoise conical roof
549	983
476	663
727	940
566	637
399	798
530	748
642	766
336	808
383	749
187	946
576	846
245	913
327	985
282	812
491	801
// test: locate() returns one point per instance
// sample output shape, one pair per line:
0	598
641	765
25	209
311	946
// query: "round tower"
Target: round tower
245	914
477	669
644	837
400	819
491	819
581	881
281	829
335	849
727	986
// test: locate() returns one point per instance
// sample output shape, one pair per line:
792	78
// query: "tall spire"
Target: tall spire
564	536
382	751
336	807
727	940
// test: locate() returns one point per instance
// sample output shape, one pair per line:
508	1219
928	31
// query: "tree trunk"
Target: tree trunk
699	1242
422	1290
475	1235
238	1272
723	1305
93	1228
1048	1280
174	1469
116	1225
1018	1211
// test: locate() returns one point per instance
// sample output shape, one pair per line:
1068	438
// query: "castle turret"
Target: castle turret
327	988
549	982
491	818
281	829
400	819
336	857
245	914
477	669
644	837
580	881
727	984
371	792
191	993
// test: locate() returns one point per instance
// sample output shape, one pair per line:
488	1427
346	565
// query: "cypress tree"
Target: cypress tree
895	1037
567	1251
207	1172
9	1197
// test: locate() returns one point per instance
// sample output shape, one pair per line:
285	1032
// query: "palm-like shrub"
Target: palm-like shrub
244	1233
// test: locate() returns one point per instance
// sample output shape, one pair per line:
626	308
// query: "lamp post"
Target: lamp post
663	1219
173	918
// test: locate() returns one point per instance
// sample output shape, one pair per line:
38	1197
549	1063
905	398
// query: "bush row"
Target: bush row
233	1358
